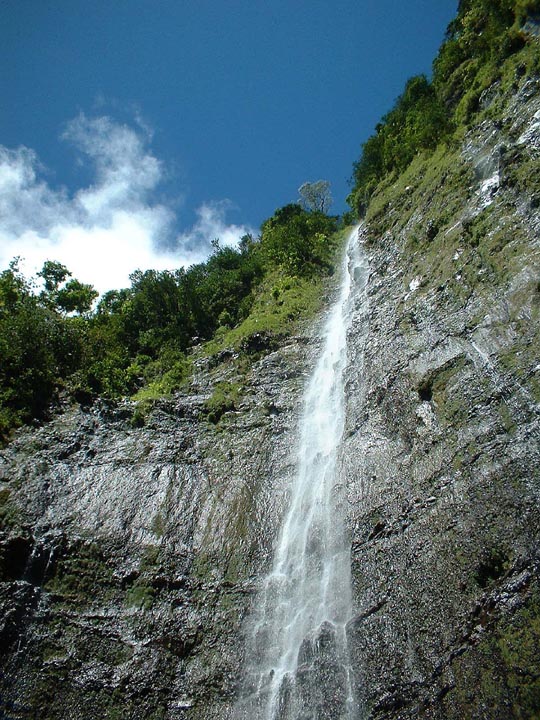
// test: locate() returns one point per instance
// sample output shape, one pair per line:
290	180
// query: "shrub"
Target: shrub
223	399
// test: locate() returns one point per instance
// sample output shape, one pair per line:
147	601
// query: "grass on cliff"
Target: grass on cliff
162	383
281	302
433	206
467	246
284	304
487	46
449	241
224	398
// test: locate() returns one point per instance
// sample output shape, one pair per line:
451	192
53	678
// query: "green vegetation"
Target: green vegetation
418	121
159	383
139	340
140	596
223	399
503	671
38	345
421	192
140	592
8	513
484	34
77	574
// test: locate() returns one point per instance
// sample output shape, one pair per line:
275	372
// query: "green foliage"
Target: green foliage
73	296
163	376
282	299
484	32
76	297
9	514
141	594
418	121
37	347
222	287
223	399
53	273
137	340
483	35
298	241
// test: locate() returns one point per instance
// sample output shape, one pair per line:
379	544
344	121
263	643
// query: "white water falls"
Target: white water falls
299	665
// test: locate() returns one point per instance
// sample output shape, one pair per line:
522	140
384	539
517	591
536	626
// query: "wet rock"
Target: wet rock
127	596
443	482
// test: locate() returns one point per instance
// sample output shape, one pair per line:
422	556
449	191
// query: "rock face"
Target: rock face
130	555
441	453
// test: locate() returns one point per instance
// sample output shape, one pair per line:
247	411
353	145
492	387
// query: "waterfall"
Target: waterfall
298	662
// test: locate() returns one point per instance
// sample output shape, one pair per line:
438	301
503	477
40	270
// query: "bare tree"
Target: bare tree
315	195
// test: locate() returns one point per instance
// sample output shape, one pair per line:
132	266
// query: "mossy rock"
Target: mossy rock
224	398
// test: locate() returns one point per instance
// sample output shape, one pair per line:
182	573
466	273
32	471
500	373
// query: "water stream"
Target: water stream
299	666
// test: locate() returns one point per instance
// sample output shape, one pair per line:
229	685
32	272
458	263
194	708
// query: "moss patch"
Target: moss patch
9	514
224	398
503	672
81	575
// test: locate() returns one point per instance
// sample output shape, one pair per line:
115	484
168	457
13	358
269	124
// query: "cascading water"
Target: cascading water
298	664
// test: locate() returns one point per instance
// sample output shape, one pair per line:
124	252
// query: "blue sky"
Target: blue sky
133	132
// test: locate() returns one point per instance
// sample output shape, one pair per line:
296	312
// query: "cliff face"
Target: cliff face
130	555
442	454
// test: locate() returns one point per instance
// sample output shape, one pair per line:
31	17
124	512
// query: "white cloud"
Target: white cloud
125	171
105	231
196	244
26	202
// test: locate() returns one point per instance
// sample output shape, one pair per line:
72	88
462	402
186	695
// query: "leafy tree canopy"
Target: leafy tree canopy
70	296
482	35
53	341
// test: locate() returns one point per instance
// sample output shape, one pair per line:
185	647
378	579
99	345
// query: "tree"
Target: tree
76	296
53	274
13	286
418	121
316	195
295	240
38	348
73	296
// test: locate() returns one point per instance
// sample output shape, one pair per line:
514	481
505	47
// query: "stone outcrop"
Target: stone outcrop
129	554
